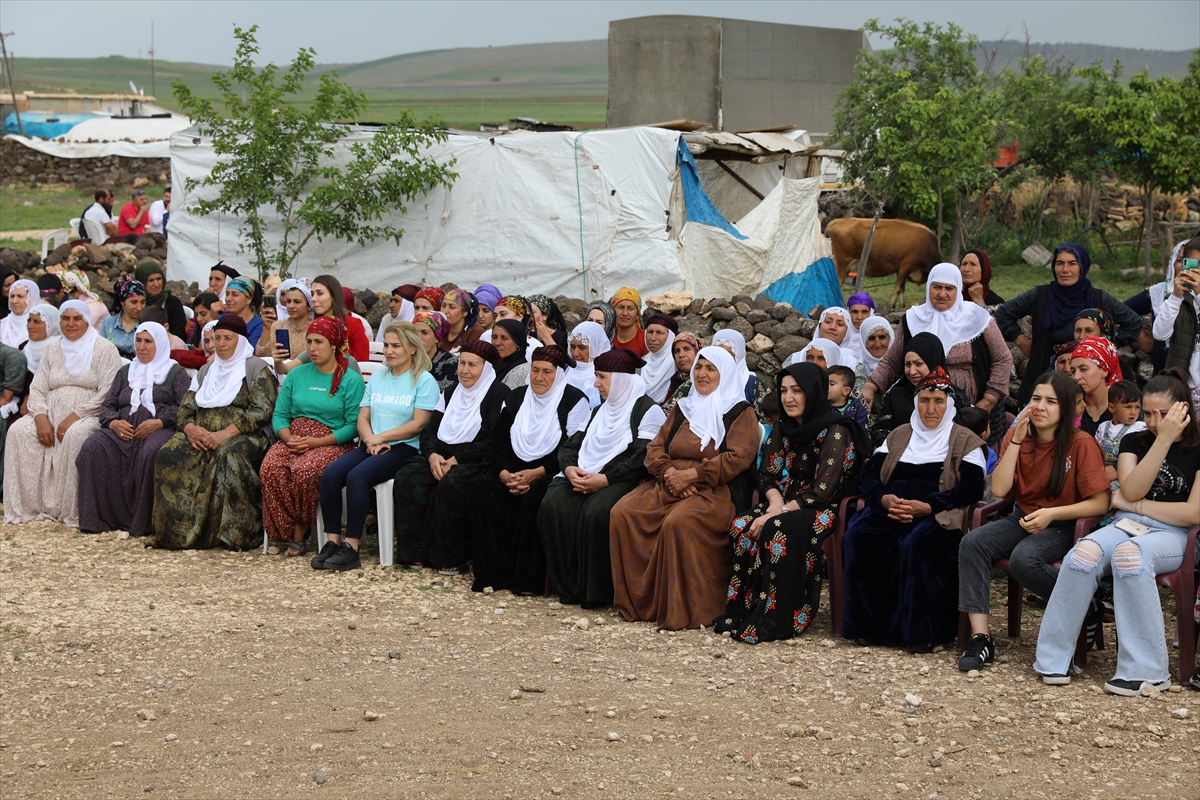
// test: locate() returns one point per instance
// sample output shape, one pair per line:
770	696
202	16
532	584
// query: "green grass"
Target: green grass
51	207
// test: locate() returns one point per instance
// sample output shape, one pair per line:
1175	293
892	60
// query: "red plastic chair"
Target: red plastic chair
833	558
1182	583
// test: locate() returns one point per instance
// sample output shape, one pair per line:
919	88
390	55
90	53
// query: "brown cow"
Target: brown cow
904	249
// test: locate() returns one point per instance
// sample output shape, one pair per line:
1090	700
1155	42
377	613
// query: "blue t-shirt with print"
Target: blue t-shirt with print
393	399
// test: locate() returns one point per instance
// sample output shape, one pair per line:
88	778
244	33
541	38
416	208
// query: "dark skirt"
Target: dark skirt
506	547
574	531
116	480
433	525
776	585
901	579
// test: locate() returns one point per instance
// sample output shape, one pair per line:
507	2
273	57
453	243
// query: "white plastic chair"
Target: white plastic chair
377	352
369	368
188	312
95	231
386	514
60	237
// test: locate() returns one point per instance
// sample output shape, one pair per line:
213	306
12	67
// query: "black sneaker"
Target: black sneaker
344	559
980	650
1134	688
1195	681
319	560
1056	679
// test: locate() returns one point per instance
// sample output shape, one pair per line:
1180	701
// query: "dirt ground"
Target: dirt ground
128	672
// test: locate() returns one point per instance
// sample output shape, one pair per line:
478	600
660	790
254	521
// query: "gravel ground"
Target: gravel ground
131	672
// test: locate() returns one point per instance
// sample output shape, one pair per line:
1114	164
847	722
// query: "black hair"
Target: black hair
844	373
770	405
100	194
1067	393
1124	392
205	299
154	314
167	189
972	418
334	287
1192	245
1173	383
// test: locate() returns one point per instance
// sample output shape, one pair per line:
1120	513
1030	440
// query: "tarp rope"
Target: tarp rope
579	201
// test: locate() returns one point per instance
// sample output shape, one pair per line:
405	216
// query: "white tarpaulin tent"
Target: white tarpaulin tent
131	137
576	214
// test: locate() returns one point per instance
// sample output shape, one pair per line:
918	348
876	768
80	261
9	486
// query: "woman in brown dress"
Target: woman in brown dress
669	538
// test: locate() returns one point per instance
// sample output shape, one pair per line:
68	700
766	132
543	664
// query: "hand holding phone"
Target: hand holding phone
283	342
1191	263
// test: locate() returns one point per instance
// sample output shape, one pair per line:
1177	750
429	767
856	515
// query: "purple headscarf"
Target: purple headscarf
861	299
1067	301
488	295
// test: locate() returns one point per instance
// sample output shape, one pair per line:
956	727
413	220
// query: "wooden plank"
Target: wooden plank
739	178
681	125
771	129
773	142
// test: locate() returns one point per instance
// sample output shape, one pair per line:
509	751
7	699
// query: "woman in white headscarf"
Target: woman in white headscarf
599	467
137	417
901	554
43	330
660	361
294	306
23	296
835	325
754	391
875	336
207	491
821	352
587	342
40	476
669	537
977	358
505	544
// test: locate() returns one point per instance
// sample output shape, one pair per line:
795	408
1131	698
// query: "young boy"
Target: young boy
841	386
771	411
977	421
1125	405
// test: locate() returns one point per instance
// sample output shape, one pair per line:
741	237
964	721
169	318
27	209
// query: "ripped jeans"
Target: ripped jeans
1133	561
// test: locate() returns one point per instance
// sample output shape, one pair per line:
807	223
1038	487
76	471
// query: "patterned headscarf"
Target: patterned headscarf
693	339
126	288
1100	351
985	270
520	306
78	281
436	321
938	379
242	285
1066	348
434	295
610	316
619	360
407	291
1099	316
470	306
630	294
484	350
334	330
550	311
553	354
665	320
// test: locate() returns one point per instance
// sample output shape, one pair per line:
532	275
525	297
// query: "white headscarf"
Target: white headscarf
930	445
144	377
535	431
12	328
285	287
583	376
610	431
833	354
870	325
33	350
706	413
659	369
77	355
961	323
223	380
849	344
741	374
461	417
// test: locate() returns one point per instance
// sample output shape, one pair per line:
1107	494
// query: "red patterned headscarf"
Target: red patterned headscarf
334	330
937	380
434	295
436	321
1100	351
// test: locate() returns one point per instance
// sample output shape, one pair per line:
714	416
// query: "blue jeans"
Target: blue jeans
357	472
1030	556
1133	561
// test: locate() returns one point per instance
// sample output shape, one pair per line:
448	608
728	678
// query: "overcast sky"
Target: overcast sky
350	30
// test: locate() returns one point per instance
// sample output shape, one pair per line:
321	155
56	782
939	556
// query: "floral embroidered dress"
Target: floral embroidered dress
775	589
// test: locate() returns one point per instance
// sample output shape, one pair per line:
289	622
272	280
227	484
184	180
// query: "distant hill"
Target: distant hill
1158	62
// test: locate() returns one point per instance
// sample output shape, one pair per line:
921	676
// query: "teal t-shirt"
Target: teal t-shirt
305	393
393	400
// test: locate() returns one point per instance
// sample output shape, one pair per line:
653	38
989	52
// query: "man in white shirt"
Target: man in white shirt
101	212
159	211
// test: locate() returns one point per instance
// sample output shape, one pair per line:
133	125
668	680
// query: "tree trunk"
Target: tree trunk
1148	226
939	219
866	251
1042	210
1091	190
956	238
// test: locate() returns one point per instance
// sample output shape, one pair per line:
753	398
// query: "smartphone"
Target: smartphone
1191	263
1132	527
283	339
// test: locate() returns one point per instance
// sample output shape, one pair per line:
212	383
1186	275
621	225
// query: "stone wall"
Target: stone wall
25	166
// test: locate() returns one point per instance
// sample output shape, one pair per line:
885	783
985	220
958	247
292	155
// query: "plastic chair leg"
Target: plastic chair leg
265	542
387	522
321	537
1014	608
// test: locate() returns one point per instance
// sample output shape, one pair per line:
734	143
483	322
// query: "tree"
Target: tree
918	120
275	159
1152	128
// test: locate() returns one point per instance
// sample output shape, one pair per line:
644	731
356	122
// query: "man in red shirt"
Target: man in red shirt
134	216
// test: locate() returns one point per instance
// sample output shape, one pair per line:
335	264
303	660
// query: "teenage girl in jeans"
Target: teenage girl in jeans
1159	474
1054	474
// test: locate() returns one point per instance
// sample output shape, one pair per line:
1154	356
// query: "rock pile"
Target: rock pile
23	165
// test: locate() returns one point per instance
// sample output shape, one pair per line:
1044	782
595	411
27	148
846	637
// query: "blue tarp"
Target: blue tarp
699	207
39	124
816	285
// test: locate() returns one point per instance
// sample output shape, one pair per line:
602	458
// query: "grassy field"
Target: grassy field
47	208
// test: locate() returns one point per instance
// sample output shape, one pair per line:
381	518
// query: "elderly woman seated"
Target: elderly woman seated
521	460
901	553
923	354
599	467
206	486
431	493
810	462
40	476
137	417
669	539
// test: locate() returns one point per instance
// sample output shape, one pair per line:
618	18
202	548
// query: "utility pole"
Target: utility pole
153	90
11	86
